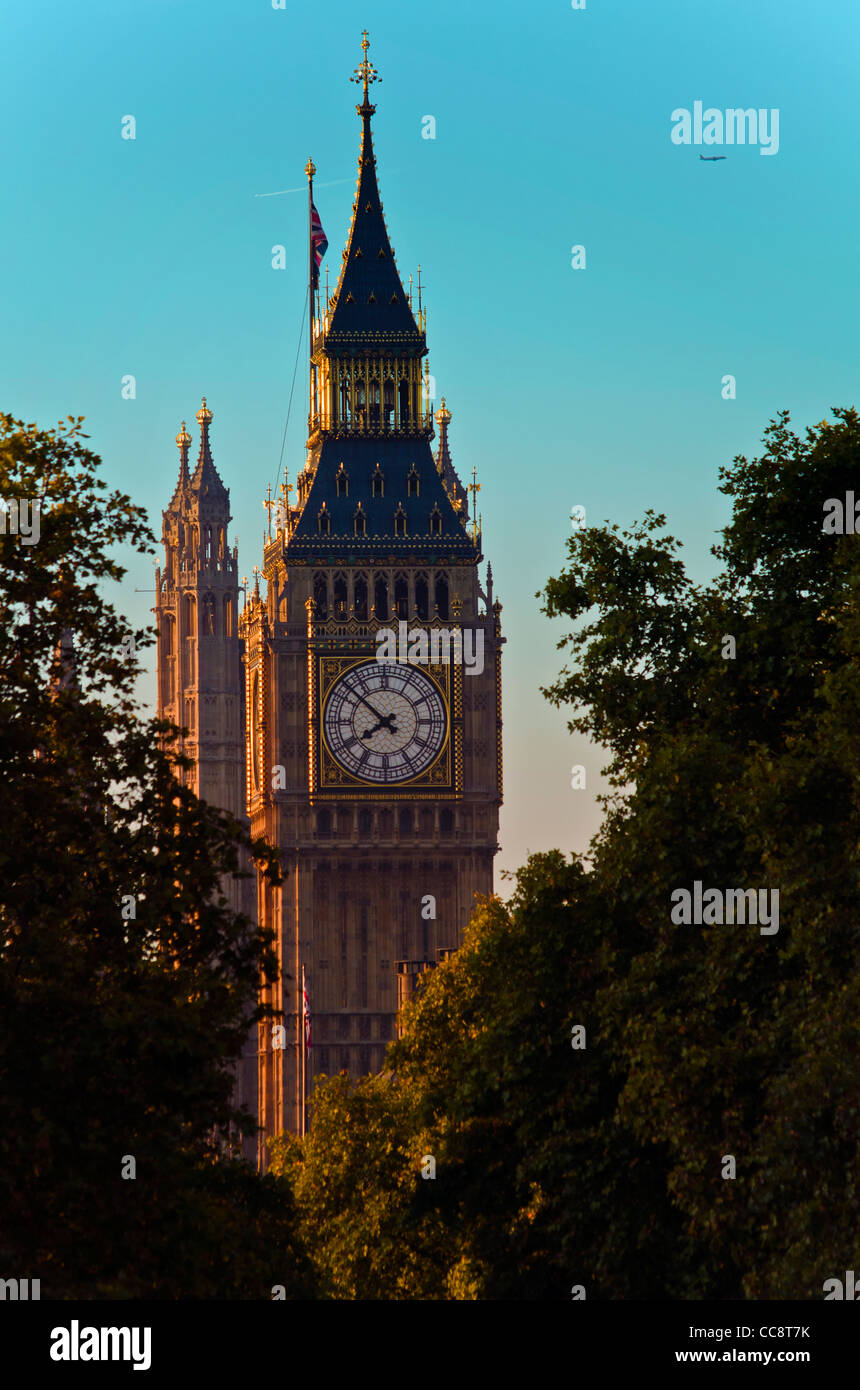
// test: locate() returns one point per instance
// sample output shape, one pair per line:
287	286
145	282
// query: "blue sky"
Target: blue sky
599	387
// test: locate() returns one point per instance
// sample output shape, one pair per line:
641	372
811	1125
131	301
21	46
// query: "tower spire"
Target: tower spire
204	420
183	444
445	467
370	471
205	478
369	306
443	453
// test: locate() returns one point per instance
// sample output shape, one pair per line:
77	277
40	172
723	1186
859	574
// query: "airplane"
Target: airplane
709	158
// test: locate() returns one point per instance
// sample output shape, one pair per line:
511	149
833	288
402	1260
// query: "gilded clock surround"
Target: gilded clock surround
327	776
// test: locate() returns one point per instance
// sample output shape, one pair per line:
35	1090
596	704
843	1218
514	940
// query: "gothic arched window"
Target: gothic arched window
360	597
320	596
441	596
400	520
413	482
446	823
324	521
341	478
377	482
422	601
168	651
228	615
190	642
435	522
359	521
209	615
404	821
380	605
340	596
401	596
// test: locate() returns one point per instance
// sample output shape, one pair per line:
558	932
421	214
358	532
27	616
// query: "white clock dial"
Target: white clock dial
385	721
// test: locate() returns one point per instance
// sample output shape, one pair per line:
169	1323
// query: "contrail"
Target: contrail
303	189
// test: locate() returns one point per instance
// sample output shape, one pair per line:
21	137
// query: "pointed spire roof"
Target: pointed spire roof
445	467
183	444
205	479
369	307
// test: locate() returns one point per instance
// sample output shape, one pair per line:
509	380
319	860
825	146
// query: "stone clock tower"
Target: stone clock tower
379	780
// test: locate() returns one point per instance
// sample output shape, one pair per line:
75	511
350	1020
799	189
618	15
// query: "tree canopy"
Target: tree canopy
127	984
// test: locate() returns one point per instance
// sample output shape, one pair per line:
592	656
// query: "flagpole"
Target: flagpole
310	170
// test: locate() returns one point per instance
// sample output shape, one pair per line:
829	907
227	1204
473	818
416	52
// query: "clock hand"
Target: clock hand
384	723
373	711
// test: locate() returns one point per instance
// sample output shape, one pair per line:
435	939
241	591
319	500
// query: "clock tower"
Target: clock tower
373	684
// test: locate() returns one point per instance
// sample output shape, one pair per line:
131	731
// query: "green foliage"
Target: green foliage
364	1208
116	1036
731	1042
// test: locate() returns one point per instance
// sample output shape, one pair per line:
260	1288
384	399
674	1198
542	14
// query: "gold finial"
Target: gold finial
283	516
474	488
310	168
183	439
204	415
269	502
443	414
365	72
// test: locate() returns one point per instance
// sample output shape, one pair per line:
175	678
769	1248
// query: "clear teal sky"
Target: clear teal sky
599	387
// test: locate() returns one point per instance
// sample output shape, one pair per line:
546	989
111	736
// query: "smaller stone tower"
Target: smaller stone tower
200	685
199	662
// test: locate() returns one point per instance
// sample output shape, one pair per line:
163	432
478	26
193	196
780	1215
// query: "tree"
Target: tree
744	773
127	984
528	1185
367	1217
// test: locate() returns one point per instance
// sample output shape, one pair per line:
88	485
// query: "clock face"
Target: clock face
385	721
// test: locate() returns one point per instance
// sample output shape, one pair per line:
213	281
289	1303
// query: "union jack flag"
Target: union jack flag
306	1011
319	243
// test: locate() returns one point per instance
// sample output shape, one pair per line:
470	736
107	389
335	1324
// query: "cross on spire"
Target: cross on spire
365	72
